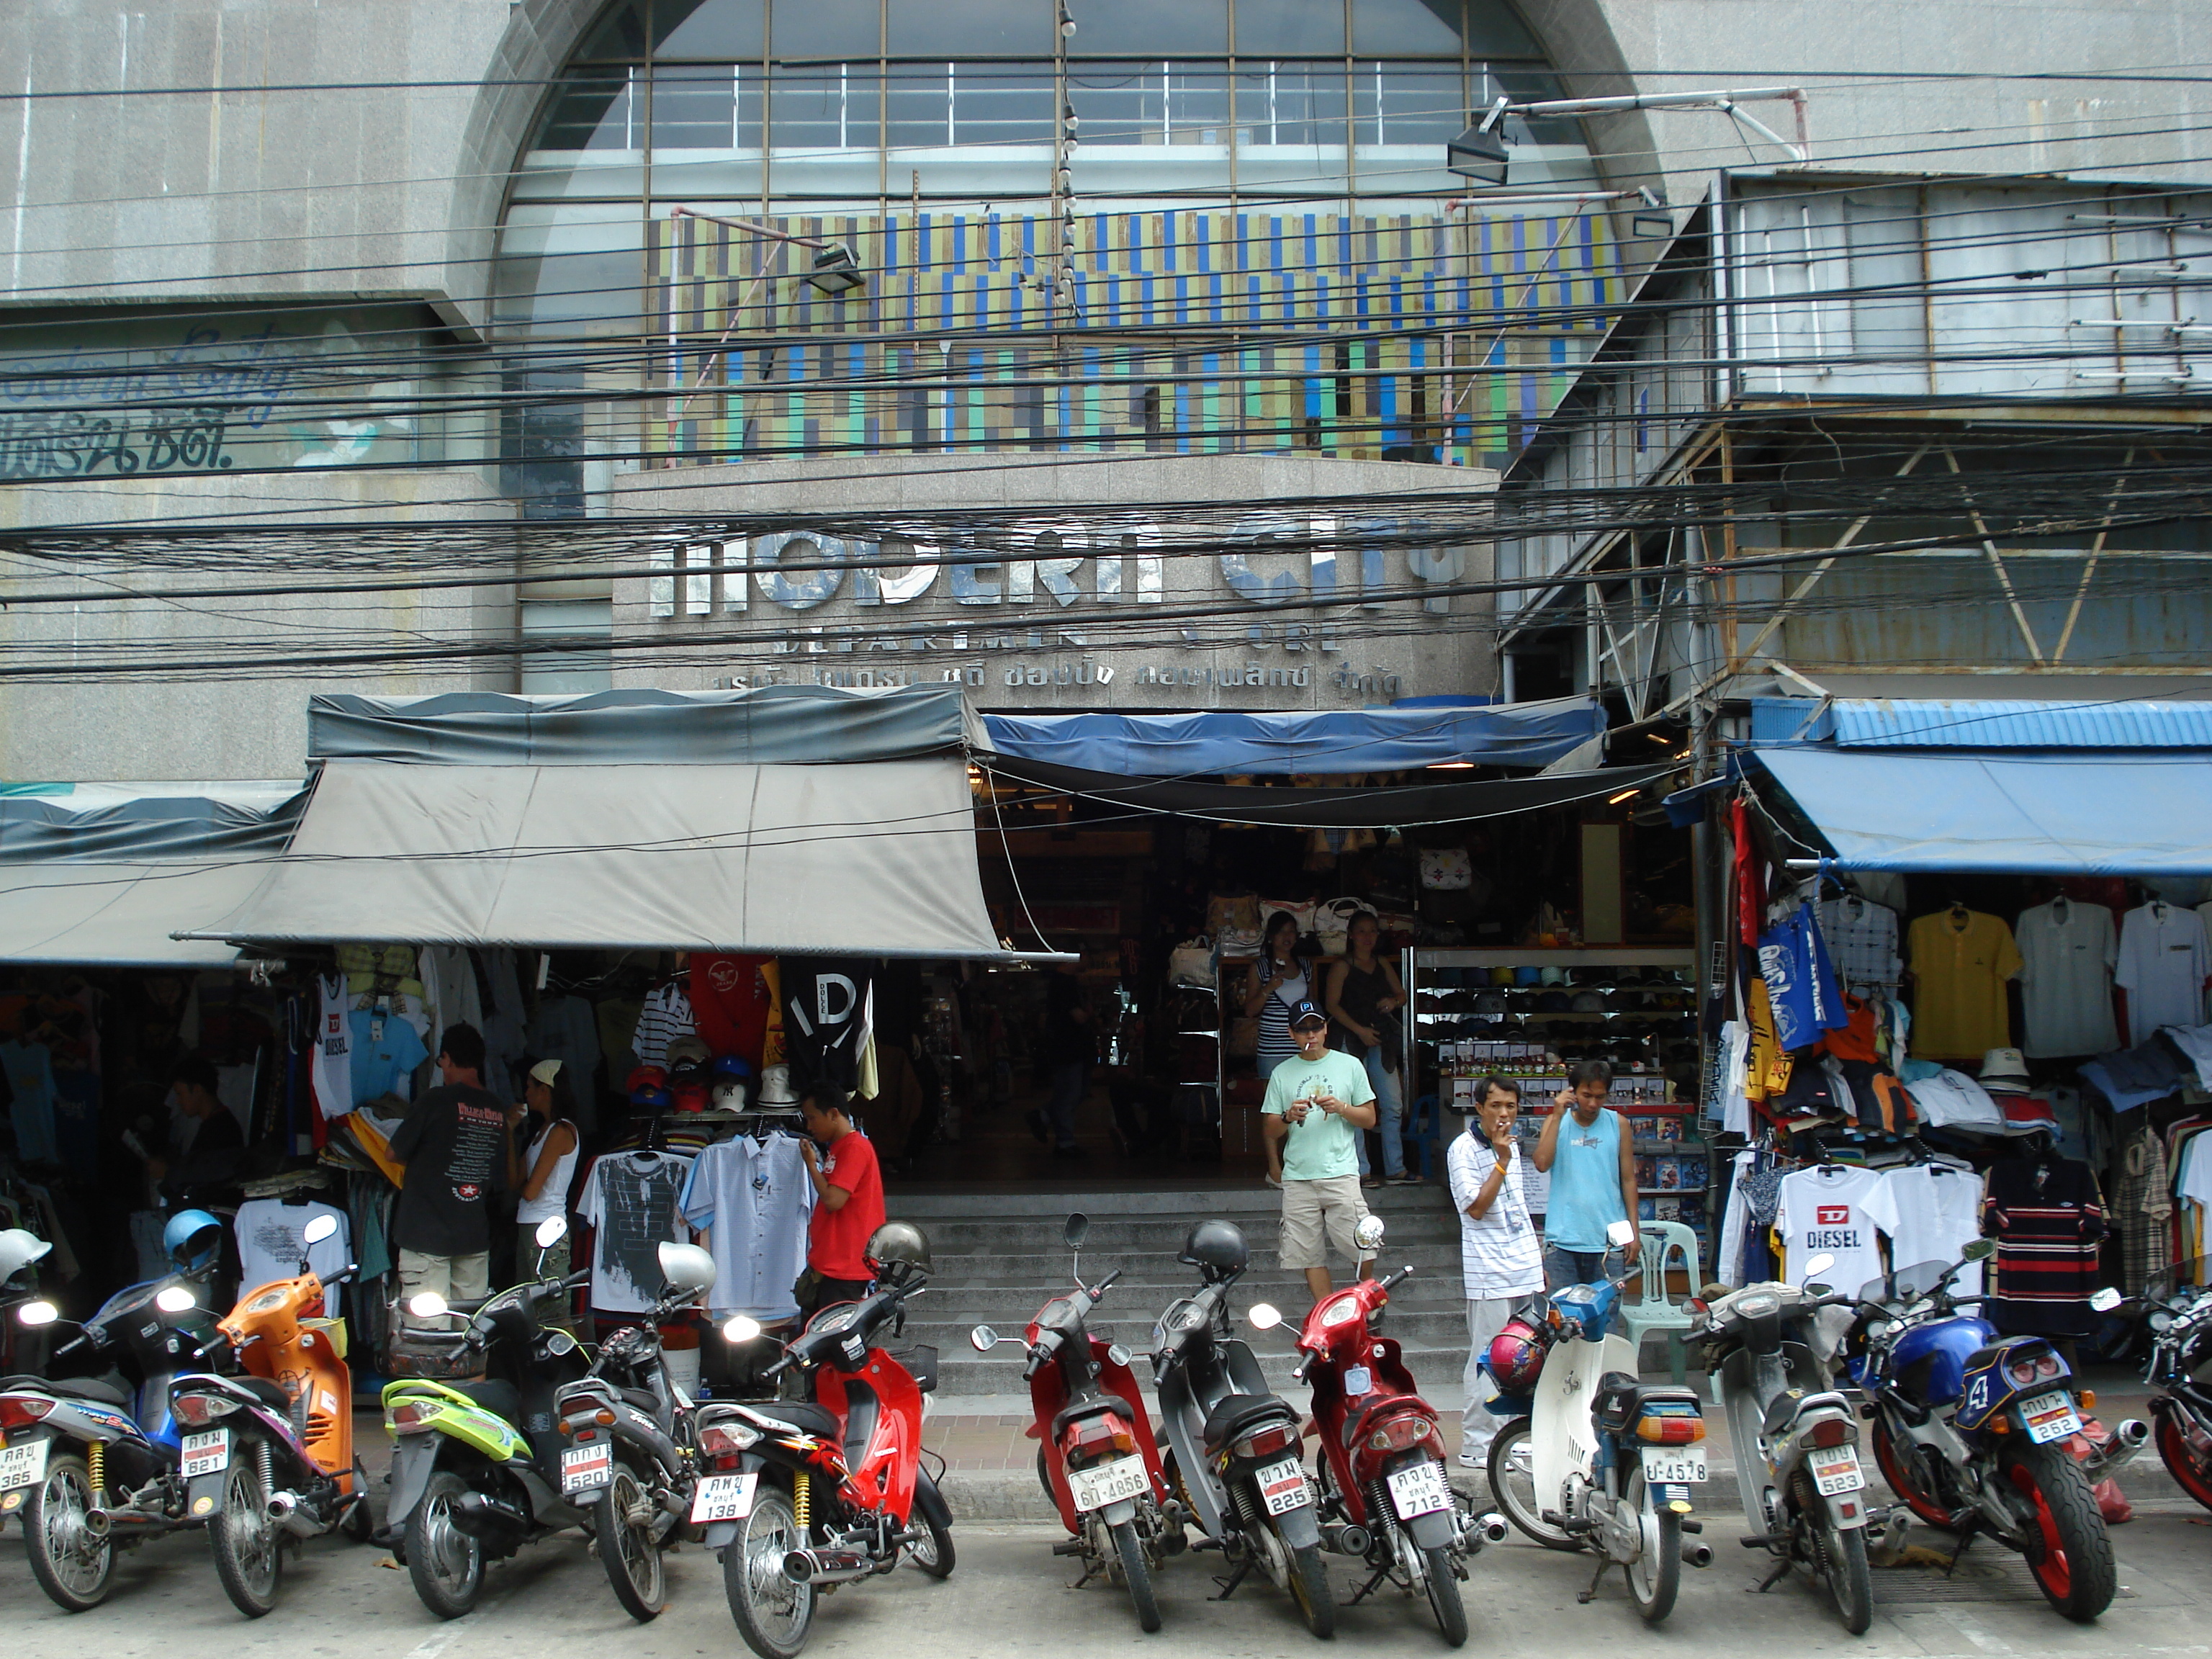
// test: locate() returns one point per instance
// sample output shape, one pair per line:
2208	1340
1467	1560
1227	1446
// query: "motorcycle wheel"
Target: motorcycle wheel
1514	1487
773	1613
932	1551
1443	1595
1131	1549
1655	1575
2068	1550
1840	1556
2192	1475
72	1567
1893	1458
446	1563
1310	1589
628	1549
249	1556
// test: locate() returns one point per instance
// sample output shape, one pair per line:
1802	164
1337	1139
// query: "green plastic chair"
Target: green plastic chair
1651	1312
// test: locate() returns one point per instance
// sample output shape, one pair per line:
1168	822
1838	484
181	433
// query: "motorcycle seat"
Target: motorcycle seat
1083	1409
107	1391
802	1414
501	1400
1234	1413
643	1399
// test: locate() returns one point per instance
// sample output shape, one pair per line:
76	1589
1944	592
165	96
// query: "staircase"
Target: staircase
1000	1257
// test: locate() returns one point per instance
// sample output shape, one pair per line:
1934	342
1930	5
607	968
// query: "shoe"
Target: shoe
1371	1180
1475	1461
1408	1179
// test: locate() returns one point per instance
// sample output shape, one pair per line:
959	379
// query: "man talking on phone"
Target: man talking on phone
1318	1100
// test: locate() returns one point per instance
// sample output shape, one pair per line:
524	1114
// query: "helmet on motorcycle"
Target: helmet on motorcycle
897	1251
1516	1356
191	1240
18	1250
1216	1247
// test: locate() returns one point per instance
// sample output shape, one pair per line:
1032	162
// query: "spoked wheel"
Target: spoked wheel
71	1564
1839	1556
249	1556
2068	1550
1513	1484
1655	1575
1137	1573
2192	1474
773	1613
446	1563
622	1522
932	1551
1443	1595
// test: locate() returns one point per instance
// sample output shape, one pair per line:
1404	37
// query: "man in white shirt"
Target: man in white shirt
1501	1256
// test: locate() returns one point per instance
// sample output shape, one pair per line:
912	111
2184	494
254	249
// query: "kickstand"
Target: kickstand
1584	1597
1091	1568
1229	1584
1369	1588
1781	1567
1969	1527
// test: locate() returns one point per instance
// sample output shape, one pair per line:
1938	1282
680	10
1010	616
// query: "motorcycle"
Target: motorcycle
269	1461
1097	1458
1595	1459
1384	1497
801	1497
91	1462
2179	1317
1796	1436
1969	1429
1233	1445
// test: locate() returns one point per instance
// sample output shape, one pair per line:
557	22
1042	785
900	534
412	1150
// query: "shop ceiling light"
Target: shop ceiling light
835	271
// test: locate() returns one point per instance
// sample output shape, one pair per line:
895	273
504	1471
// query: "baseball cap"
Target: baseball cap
1305	1012
688	1048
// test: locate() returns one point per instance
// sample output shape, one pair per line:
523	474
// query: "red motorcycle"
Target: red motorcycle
1383	1494
1095	1457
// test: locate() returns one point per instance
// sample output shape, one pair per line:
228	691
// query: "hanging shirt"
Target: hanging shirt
330	1071
1861	938
630	1200
665	1016
1959	967
1801	982
2163	960
272	1243
384	1054
731	1001
753	1201
449	986
453	1143
31	1077
2048	1218
1834	1211
2067	956
837	1239
828	1015
1939	1214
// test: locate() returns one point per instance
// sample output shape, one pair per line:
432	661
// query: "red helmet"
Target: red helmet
1516	1356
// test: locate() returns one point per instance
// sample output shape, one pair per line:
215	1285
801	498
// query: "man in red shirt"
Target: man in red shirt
848	1202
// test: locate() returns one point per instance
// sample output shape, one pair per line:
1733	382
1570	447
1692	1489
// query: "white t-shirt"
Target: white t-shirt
272	1243
753	1200
331	1069
631	1202
2163	963
1834	1211
2067	954
1939	1214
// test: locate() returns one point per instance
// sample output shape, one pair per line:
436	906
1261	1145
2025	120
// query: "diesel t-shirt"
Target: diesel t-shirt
453	1143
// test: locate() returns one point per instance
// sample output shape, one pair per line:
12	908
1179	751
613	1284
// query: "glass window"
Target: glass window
831	107
710	28
817	29
713	107
1003	104
1289	28
1494	29
917	105
1290	103
965	28
1528	85
1407	103
589	112
1162	28
620	34
1429	27
1150	103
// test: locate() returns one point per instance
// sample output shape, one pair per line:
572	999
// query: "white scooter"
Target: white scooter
1595	1460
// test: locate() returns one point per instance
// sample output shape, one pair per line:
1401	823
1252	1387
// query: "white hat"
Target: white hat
2006	1069
545	1071
730	1096
776	1087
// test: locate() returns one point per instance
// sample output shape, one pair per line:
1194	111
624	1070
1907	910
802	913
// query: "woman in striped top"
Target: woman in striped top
1280	982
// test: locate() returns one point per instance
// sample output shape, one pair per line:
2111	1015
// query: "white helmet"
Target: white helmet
18	1250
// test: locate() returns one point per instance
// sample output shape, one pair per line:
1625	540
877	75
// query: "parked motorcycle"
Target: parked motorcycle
1234	1443
2179	1315
270	1461
1384	1497
91	1461
1795	1435
1595	1459
801	1497
1969	1429
1097	1458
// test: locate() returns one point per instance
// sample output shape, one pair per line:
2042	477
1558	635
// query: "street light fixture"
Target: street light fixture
835	271
1479	153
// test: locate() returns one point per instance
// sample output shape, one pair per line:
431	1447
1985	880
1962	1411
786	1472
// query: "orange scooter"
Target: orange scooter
268	1456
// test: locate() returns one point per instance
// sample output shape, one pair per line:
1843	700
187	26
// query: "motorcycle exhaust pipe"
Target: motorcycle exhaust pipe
286	1510
1349	1538
2130	1437
1479	1531
122	1524
1696	1554
486	1520
826	1567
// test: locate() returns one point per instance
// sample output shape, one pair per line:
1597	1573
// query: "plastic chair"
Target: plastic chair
1651	1312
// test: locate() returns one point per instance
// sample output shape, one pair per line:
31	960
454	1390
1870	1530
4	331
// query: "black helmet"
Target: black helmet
1215	1247
897	1251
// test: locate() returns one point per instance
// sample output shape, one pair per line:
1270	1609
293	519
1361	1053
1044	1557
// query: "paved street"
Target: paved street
1007	1596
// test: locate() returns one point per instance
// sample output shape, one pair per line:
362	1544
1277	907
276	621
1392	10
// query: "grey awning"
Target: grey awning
875	860
121	915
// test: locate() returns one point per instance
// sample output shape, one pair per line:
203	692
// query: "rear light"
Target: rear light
1098	1433
2021	1371
19	1411
1267	1442
198	1409
2048	1367
582	1423
1670	1430
409	1416
726	1439
1398	1434
1831	1432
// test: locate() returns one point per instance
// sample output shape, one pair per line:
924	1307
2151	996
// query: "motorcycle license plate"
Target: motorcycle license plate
1283	1487
2050	1416
1108	1483
1669	1466
1419	1490
22	1466
1836	1472
723	1498
205	1454
587	1468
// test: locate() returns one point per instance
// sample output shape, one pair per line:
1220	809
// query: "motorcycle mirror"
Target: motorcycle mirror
550	1232
322	1227
984	1339
1980	1249
173	1298
1077	1229
1367	1233
2161	1320
741	1329
1814	1288
426	1305
35	1314
1265	1316
1819	1264
2107	1299
1620	1234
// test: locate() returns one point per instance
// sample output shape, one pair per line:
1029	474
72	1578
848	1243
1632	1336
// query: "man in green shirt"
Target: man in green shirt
1318	1100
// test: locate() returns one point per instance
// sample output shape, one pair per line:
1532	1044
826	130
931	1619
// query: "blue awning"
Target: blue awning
1335	741
2014	813
1958	723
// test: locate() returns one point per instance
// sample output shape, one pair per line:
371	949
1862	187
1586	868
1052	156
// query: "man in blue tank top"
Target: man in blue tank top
1590	1156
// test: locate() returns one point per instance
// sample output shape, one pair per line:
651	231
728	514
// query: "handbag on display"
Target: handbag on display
1231	913
1332	923
1244	1037
1446	869
1302	914
1191	962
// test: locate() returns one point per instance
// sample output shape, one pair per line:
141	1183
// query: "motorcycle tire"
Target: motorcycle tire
1895	1460
75	1576
1840	1557
446	1563
1443	1584
1310	1589
2193	1475
933	1553
1510	1484
772	1614
630	1552
1137	1574
2069	1552
249	1553
1655	1579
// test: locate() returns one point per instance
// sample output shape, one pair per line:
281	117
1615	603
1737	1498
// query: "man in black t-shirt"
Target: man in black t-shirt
454	1144
206	1171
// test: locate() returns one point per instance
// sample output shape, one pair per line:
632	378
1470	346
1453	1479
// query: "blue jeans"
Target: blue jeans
1389	1117
1069	1079
1563	1267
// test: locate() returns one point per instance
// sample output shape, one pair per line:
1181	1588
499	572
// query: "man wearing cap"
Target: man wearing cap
1318	1100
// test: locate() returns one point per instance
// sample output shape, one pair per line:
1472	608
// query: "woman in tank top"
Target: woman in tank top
548	1150
1278	984
1364	995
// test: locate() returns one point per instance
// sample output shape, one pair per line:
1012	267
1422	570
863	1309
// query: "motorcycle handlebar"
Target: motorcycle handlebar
1389	1281
78	1342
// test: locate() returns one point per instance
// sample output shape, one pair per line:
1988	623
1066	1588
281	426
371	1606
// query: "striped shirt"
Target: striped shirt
1275	1012
1501	1255
666	1016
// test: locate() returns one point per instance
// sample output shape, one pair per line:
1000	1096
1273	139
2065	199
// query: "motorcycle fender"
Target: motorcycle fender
414	1460
204	1495
1119	1514
1301	1528
930	1501
1847	1509
1432	1531
721	1534
492	1436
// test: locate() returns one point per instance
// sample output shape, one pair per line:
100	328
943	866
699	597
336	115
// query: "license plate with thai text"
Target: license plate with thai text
23	1466
1667	1466
1282	1486
2050	1416
587	1468
1837	1471
205	1454
723	1498
1420	1489
1108	1483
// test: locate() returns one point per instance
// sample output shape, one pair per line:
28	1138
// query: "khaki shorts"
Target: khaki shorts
1318	1213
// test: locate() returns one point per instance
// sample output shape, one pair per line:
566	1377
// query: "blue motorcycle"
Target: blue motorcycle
1969	1429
